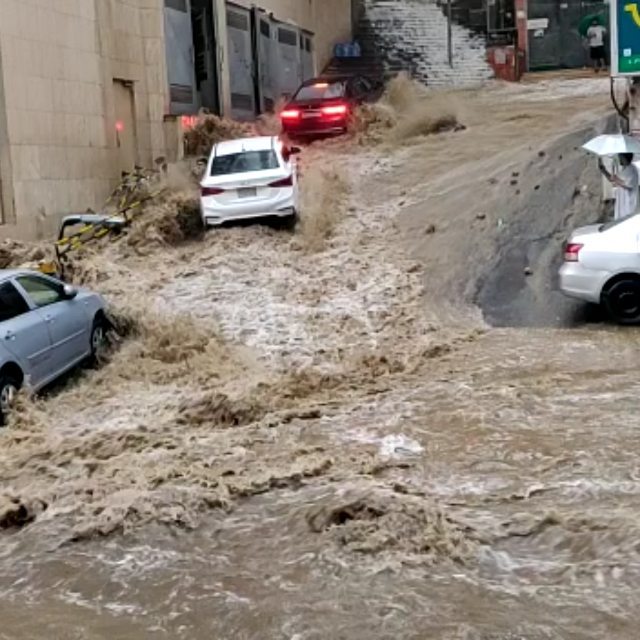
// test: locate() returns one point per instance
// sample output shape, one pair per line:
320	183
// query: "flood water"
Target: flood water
517	520
313	437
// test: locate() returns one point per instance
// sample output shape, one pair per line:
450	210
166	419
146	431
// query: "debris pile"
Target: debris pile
386	520
169	219
210	130
18	254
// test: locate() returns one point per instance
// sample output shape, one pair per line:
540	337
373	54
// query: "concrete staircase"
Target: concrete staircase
411	35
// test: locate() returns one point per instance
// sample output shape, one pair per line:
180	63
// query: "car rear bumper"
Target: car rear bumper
583	284
315	128
215	213
214	218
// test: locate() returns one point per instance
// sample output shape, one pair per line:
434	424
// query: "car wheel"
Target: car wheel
8	390
622	300
98	338
286	223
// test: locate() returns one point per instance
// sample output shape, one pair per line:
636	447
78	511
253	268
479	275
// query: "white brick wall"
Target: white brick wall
412	34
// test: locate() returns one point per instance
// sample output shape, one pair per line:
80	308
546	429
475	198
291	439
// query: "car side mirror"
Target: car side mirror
69	292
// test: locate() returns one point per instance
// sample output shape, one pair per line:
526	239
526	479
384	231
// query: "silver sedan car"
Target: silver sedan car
46	328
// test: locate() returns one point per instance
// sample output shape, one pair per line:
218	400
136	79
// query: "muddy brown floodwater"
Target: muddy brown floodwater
318	435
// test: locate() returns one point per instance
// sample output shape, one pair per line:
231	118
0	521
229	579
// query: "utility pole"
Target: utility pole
449	38
634	106
625	56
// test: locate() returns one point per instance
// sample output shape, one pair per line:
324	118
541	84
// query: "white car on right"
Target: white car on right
602	266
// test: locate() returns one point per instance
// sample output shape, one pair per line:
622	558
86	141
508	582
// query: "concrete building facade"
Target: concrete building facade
85	94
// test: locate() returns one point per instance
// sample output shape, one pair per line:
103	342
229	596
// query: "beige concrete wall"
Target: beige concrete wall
329	20
59	59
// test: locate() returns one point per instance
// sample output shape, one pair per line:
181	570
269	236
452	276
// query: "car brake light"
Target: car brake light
572	251
335	110
290	114
285	182
210	191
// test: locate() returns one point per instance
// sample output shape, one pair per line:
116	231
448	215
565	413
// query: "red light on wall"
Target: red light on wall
188	122
119	126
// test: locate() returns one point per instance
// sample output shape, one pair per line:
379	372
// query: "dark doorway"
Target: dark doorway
205	54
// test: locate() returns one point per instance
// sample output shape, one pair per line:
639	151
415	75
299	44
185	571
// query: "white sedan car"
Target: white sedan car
602	265
249	178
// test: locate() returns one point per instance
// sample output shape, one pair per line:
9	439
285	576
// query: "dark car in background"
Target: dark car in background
324	106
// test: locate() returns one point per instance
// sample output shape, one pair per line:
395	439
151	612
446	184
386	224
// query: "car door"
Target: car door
65	318
24	334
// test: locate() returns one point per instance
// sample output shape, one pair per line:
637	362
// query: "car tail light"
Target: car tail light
572	251
335	110
210	191
285	182
290	114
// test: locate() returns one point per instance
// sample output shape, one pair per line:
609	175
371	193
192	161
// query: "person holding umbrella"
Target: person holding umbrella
626	182
624	175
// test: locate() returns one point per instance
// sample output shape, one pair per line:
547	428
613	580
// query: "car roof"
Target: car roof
6	274
328	80
256	143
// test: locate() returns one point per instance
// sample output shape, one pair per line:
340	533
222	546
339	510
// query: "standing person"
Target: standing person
596	35
626	181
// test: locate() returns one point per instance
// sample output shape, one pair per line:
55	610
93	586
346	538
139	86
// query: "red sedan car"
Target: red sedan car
323	106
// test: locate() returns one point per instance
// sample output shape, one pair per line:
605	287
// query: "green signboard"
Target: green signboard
625	38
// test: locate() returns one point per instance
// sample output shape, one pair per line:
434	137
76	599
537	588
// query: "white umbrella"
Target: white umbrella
612	145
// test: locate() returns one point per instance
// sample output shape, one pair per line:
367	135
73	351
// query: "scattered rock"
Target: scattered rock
481	216
541	154
528	271
536	188
15	513
430	229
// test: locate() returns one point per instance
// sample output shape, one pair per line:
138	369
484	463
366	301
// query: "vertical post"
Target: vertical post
449	38
634	106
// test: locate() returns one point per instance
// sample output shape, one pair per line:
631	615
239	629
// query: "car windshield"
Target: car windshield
614	223
321	91
244	162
